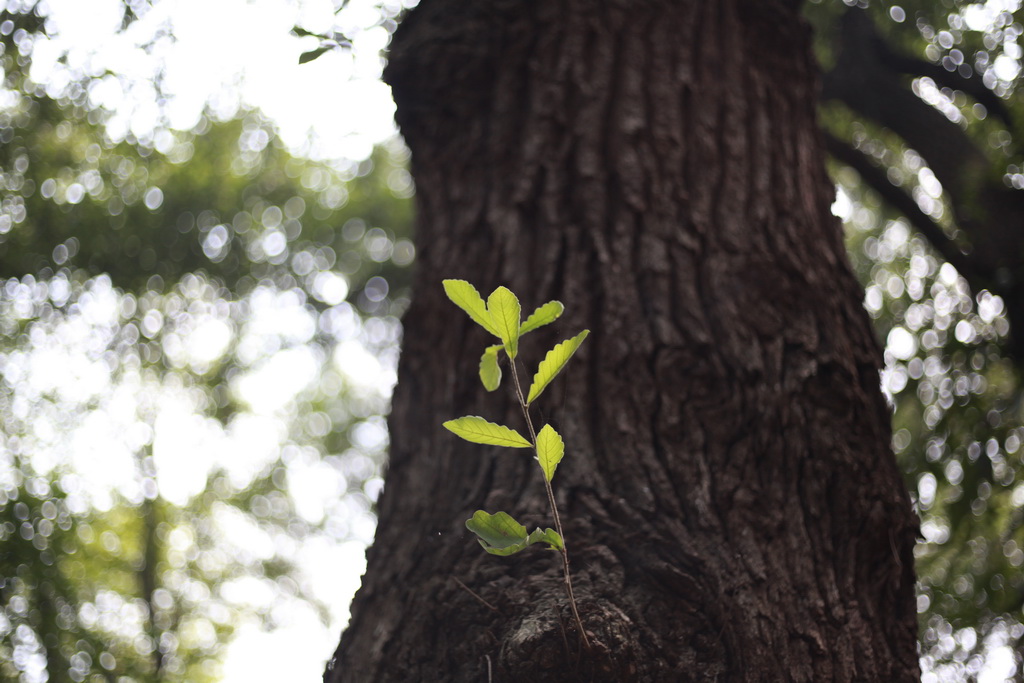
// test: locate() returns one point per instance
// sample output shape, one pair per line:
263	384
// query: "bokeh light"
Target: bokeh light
207	247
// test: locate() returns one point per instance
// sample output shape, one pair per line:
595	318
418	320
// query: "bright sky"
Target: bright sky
227	53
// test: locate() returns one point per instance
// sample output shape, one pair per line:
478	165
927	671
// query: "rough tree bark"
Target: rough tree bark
731	505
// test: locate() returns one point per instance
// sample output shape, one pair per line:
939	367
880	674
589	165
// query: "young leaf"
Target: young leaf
505	311
550	449
549	536
553	363
465	296
490	373
548	313
499	534
479	430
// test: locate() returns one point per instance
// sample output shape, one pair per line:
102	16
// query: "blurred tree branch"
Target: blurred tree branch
870	78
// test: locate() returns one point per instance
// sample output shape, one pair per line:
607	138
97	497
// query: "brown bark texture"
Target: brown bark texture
732	509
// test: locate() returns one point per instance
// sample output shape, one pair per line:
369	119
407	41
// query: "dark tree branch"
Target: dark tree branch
864	80
972	86
878	181
871	79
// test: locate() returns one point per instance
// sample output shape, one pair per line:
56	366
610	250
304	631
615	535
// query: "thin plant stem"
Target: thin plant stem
554	509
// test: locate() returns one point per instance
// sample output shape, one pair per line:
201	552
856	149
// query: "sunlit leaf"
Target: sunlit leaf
550	449
479	430
465	296
490	373
553	363
548	313
505	311
499	534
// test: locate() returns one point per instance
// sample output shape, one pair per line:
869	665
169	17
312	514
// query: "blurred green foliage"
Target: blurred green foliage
950	371
957	434
198	335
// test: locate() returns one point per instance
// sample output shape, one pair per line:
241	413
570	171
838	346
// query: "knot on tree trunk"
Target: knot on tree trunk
544	645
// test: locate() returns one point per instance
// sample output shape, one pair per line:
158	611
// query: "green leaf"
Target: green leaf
499	534
505	310
465	296
553	363
550	449
549	536
307	57
490	373
548	313
479	430
504	552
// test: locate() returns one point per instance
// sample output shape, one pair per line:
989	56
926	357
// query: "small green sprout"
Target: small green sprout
500	534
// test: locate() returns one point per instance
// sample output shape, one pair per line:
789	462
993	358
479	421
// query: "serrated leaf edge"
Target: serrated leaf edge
480	315
453	427
549	368
531	323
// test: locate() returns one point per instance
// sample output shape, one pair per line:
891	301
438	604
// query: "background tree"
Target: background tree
737	513
920	104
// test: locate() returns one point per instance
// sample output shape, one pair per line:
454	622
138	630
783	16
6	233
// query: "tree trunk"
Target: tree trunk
731	506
